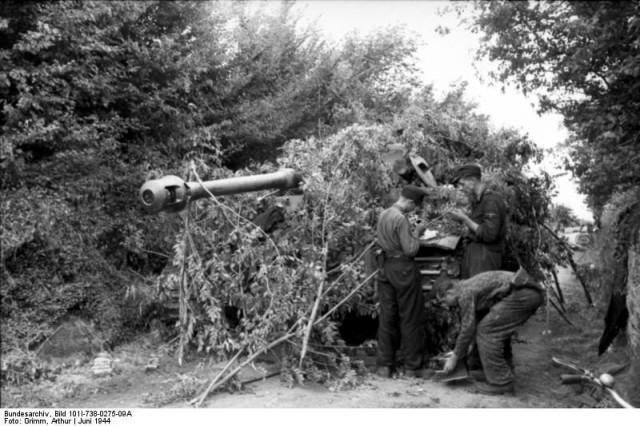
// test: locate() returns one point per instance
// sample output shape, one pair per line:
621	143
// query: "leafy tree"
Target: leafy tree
64	174
563	216
582	59
375	76
286	83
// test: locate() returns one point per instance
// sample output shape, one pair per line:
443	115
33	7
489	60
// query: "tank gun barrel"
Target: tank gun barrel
171	194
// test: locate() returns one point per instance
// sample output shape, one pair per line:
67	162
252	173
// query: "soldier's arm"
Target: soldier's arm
462	217
467	305
489	230
409	243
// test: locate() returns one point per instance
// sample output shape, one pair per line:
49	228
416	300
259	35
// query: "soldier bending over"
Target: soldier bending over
510	299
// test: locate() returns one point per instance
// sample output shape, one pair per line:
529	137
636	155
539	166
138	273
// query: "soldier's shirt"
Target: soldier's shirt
490	213
475	294
394	234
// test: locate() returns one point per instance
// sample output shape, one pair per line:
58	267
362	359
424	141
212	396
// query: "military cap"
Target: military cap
414	193
468	170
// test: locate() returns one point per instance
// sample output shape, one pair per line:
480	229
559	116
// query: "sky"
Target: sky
448	59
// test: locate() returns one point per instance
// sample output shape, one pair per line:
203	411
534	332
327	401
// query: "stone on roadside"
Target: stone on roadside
73	337
152	365
102	365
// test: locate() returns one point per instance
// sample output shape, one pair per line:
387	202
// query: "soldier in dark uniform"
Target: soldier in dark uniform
487	223
510	299
399	287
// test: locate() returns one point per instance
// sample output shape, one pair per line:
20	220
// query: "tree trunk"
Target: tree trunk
632	388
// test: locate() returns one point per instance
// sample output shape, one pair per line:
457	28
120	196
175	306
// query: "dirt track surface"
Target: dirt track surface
537	379
531	383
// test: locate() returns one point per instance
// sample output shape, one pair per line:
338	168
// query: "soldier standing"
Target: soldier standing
399	286
487	223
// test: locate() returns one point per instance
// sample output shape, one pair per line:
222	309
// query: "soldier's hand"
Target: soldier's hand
420	229
450	364
457	214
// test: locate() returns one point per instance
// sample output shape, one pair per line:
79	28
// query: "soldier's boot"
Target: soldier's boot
384	372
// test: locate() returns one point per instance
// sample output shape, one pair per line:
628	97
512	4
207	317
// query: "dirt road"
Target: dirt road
537	379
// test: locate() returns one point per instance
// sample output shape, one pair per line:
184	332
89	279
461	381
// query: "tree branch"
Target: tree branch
555	279
218	381
573	264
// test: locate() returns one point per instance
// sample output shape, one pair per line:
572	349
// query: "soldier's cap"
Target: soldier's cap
414	193
468	170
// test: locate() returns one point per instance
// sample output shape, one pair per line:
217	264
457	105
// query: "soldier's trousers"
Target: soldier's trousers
479	258
497	327
401	314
